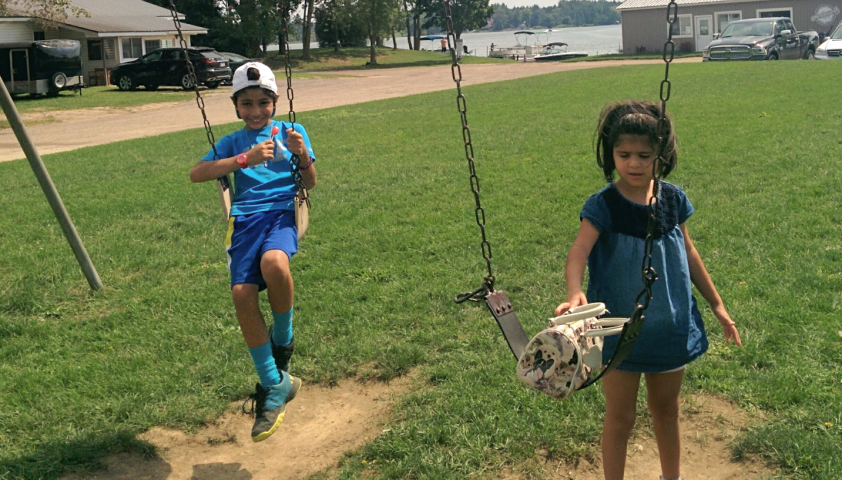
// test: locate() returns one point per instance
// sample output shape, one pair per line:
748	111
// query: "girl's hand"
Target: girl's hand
261	152
572	301
295	144
728	326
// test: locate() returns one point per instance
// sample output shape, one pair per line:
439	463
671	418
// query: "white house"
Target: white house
645	21
115	31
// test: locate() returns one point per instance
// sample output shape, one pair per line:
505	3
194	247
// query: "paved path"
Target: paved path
81	128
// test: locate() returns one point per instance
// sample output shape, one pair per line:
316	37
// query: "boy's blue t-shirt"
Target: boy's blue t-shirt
266	186
673	333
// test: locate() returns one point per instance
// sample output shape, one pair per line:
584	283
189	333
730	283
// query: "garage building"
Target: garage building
645	21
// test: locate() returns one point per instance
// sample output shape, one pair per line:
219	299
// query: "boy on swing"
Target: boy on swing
262	236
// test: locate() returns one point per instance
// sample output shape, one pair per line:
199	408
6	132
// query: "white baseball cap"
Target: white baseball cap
265	80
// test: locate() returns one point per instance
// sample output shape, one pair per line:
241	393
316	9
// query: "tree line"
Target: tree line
249	26
568	13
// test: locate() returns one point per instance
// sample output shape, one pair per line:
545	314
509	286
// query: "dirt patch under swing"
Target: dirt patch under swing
320	425
709	425
323	423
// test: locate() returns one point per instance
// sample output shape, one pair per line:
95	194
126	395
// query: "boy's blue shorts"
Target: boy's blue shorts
250	236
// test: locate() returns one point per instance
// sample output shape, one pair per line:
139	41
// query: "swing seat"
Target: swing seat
302	207
223	188
564	357
302	214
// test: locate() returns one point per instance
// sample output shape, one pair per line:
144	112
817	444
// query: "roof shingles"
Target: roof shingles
642	4
116	16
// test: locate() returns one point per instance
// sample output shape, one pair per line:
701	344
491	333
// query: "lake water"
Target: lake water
597	40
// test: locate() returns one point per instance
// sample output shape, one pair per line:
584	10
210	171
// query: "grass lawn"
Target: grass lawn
393	238
640	56
100	97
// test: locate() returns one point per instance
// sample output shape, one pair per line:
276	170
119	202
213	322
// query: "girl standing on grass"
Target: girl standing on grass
611	242
262	237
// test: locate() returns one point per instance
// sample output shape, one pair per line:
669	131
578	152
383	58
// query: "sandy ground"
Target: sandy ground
708	426
323	423
69	130
320	425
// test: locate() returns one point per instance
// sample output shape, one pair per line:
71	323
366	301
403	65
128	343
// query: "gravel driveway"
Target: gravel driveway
82	128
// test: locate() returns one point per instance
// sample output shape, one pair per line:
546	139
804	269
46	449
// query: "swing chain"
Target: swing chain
191	72
479	212
296	171
650	276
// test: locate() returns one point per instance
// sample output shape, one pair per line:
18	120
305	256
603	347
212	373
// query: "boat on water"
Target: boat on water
527	44
557	51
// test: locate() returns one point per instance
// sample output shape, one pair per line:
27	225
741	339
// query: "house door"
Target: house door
704	31
20	71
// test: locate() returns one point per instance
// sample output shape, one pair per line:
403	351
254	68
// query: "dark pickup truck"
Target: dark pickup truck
762	39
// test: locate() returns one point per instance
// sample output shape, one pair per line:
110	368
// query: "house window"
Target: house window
683	27
109	48
723	19
152	45
774	13
132	48
94	49
40	36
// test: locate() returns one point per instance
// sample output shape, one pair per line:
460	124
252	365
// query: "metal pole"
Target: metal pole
49	189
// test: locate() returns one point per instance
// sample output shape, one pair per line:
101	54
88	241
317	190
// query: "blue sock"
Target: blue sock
282	330
265	365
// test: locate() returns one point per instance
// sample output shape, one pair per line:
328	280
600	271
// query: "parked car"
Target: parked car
236	60
43	66
772	38
167	66
831	49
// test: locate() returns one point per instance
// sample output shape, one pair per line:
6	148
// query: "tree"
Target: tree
413	23
339	23
309	5
407	18
565	13
380	16
221	18
254	24
243	26
286	23
48	13
467	14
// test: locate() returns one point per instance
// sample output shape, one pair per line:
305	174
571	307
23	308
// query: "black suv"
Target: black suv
166	66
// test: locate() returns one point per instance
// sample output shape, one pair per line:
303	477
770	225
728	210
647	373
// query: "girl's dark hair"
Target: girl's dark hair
633	118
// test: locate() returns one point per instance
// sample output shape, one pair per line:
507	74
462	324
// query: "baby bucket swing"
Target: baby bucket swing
567	356
224	184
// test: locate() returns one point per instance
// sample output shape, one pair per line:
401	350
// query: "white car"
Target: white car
831	49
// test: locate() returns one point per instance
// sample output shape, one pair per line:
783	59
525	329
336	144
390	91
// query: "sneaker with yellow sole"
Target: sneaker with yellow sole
269	406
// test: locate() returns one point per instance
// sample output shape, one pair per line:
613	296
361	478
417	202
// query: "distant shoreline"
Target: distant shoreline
593	39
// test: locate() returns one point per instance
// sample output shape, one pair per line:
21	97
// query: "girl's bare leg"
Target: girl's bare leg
620	404
662	396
